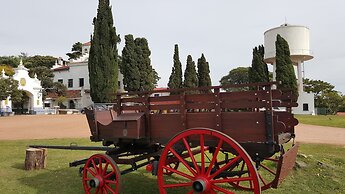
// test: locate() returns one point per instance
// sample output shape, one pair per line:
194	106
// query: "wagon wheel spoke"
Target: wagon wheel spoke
267	174
214	158
191	155
104	178
198	175
178	172
202	148
182	161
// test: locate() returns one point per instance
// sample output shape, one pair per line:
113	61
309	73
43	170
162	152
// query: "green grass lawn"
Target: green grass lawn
322	120
59	178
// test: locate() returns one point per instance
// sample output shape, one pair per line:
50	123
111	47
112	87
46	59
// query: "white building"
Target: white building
298	40
31	86
75	76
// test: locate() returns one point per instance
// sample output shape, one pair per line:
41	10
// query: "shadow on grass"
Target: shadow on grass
68	180
19	166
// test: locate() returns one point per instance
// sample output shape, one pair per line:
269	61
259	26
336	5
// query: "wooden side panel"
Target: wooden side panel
165	126
289	121
201	120
245	126
285	165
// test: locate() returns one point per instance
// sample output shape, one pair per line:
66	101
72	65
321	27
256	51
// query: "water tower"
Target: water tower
298	40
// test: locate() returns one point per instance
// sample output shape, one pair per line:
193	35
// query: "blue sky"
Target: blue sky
225	31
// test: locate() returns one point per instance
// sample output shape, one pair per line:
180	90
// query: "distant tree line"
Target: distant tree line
192	77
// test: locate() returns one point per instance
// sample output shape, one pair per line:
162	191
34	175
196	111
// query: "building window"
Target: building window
305	107
60	81
81	82
70	83
119	84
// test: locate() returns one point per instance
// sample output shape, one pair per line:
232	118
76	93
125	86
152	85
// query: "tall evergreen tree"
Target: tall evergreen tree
136	67
175	79
285	70
148	75
190	75
258	72
129	67
103	59
203	72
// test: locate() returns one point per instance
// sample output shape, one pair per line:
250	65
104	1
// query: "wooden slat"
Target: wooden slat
243	104
276	94
136	107
209	97
284	104
164	107
165	98
200	106
246	95
136	99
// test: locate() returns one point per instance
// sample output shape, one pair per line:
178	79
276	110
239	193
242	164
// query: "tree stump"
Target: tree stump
36	158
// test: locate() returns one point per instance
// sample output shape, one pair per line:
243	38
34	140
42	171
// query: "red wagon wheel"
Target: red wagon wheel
202	172
267	171
101	175
173	165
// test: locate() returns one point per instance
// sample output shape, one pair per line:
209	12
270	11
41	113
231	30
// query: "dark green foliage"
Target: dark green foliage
136	67
9	87
190	75
103	59
44	74
204	78
38	61
59	88
238	75
175	79
129	67
28	61
258	72
285	71
324	95
148	76
12	61
76	51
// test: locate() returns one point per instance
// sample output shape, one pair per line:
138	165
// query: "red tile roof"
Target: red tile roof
62	68
87	44
69	94
159	89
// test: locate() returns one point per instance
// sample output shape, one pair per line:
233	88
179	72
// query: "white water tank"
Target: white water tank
297	38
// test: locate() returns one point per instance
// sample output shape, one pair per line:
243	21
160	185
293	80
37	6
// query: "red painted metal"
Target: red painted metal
101	175
204	168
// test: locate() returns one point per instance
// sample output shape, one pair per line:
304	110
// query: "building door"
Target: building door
71	104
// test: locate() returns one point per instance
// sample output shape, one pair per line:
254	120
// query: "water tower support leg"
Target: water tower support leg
300	77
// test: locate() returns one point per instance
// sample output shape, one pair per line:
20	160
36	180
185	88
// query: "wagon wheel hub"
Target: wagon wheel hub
201	184
96	182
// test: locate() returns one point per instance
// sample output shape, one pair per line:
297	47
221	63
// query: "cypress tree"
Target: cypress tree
148	75
190	75
204	78
175	79
285	70
103	59
129	67
258	72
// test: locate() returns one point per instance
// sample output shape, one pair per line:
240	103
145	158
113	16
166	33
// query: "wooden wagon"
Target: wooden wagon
199	140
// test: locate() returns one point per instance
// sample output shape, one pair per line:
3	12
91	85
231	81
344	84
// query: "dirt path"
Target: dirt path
70	126
320	134
43	127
